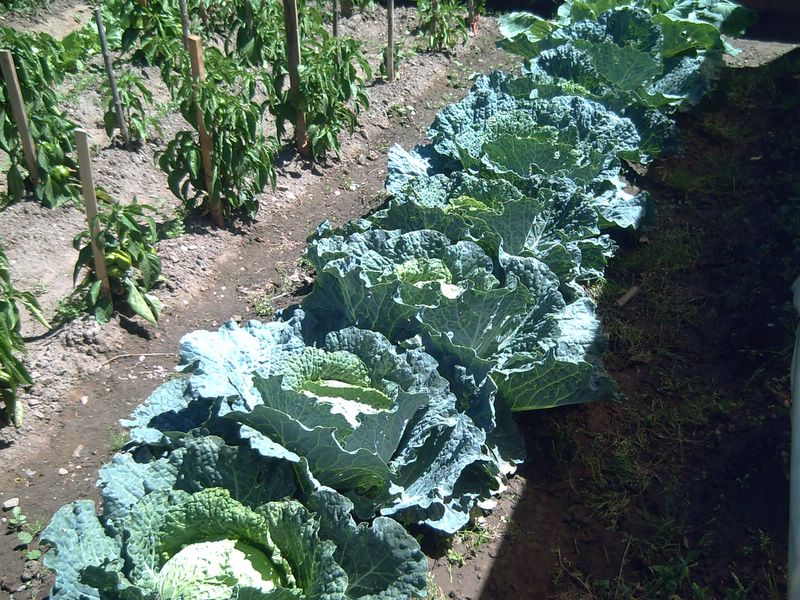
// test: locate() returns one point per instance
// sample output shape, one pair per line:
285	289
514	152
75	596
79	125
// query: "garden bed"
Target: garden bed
647	497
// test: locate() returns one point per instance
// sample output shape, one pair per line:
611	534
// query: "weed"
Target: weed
25	532
433	591
455	557
117	438
472	539
175	226
69	308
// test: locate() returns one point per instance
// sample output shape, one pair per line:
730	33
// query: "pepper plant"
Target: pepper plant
39	61
228	105
136	102
333	75
127	237
12	372
150	30
443	23
258	33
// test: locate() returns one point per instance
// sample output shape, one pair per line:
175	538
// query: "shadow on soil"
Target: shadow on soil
680	489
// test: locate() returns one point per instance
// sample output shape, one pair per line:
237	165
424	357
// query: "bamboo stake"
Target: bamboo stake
390	44
293	55
206	143
335	18
184	23
90	199
112	80
18	110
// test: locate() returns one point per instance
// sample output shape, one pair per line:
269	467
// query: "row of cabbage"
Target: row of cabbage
285	461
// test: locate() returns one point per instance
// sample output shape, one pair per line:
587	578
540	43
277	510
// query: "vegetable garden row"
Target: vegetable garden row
234	94
293	455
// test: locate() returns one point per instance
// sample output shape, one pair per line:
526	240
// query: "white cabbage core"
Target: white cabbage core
210	571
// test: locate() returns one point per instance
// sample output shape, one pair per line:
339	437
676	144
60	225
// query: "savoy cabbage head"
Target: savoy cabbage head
214	521
375	422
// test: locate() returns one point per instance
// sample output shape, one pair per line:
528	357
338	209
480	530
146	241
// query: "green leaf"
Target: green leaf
24	537
139	305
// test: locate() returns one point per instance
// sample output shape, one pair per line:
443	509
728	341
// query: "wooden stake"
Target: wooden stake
434	15
390	44
184	22
248	17
204	15
472	24
206	143
123	127
293	55
335	18
18	110
90	199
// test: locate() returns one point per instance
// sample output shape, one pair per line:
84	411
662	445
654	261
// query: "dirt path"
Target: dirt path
59	18
88	377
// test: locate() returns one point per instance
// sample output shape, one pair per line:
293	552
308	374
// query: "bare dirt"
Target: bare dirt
603	485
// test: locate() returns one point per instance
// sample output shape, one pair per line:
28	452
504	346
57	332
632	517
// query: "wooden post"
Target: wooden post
90	199
346	8
206	143
293	55
248	17
123	127
434	15
335	18
204	15
18	110
184	22
390	44
472	24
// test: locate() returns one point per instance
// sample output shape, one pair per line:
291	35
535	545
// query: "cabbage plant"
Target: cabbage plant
376	422
213	521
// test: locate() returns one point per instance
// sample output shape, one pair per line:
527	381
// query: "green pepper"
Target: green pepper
60	173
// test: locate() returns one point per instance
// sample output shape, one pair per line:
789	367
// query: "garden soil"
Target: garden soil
542	539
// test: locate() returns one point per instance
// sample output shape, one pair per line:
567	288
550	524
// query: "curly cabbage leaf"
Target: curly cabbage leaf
517	138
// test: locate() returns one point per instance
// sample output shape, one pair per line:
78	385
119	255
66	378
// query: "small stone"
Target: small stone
11	503
34	402
63	471
77	452
84	400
